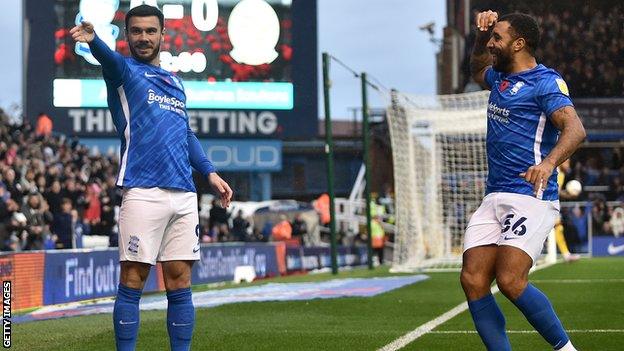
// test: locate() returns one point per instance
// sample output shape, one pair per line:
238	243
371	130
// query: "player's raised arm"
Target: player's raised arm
83	33
113	64
480	59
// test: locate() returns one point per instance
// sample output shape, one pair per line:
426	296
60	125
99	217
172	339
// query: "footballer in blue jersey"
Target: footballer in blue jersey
532	127
158	220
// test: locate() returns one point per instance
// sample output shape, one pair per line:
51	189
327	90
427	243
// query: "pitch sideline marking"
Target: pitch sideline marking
574	281
406	339
529	331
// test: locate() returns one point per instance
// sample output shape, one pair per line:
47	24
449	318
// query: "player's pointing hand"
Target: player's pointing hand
222	188
538	176
486	19
83	33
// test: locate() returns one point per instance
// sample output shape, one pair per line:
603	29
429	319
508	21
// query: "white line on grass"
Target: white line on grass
577	331
432	324
574	281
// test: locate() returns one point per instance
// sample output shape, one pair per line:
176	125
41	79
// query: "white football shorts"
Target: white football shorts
158	224
512	219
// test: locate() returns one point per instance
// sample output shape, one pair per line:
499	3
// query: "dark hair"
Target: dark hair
145	11
524	26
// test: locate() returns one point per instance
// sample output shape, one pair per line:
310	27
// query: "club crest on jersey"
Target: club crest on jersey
516	87
563	87
503	85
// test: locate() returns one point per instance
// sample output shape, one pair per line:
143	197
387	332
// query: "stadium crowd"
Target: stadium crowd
583	40
53	191
599	206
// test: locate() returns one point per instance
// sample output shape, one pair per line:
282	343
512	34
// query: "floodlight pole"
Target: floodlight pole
329	151
367	185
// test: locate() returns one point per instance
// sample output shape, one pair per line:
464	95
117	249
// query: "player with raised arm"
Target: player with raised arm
158	220
532	128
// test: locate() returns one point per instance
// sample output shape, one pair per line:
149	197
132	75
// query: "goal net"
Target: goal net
440	171
440	168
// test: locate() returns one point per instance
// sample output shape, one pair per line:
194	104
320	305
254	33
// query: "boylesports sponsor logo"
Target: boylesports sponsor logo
153	97
498	113
166	102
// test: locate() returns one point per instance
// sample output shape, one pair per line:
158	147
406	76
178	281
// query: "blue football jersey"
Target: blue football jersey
520	133
148	107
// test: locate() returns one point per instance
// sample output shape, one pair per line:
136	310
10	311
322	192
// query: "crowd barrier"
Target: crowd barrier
42	278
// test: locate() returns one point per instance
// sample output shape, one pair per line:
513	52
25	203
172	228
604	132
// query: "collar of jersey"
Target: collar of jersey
530	70
157	69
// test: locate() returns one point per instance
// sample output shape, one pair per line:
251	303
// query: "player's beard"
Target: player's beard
502	60
146	59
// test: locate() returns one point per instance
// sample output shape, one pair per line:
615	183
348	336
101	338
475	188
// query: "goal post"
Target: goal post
440	172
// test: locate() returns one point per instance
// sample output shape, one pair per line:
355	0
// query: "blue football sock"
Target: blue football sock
126	317
539	312
180	319
490	323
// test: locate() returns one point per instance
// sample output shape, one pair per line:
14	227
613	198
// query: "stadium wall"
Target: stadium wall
61	276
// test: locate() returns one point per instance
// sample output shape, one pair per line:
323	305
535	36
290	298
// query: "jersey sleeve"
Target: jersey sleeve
490	76
113	64
553	94
197	157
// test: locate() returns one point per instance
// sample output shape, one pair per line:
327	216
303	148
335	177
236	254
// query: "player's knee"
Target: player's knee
474	281
175	280
178	283
134	274
511	285
177	276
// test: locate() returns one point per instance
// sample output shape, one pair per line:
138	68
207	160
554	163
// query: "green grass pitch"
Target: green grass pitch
588	295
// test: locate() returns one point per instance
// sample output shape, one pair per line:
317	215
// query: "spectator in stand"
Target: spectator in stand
62	225
18	229
600	217
219	220
70	191
12	186
53	196
282	230
387	199
37	228
299	227
581	38
7	208
107	219
93	210
27	183
44	125
321	205
266	231
239	227
41	183
80	228
378	238
617	222
579	222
